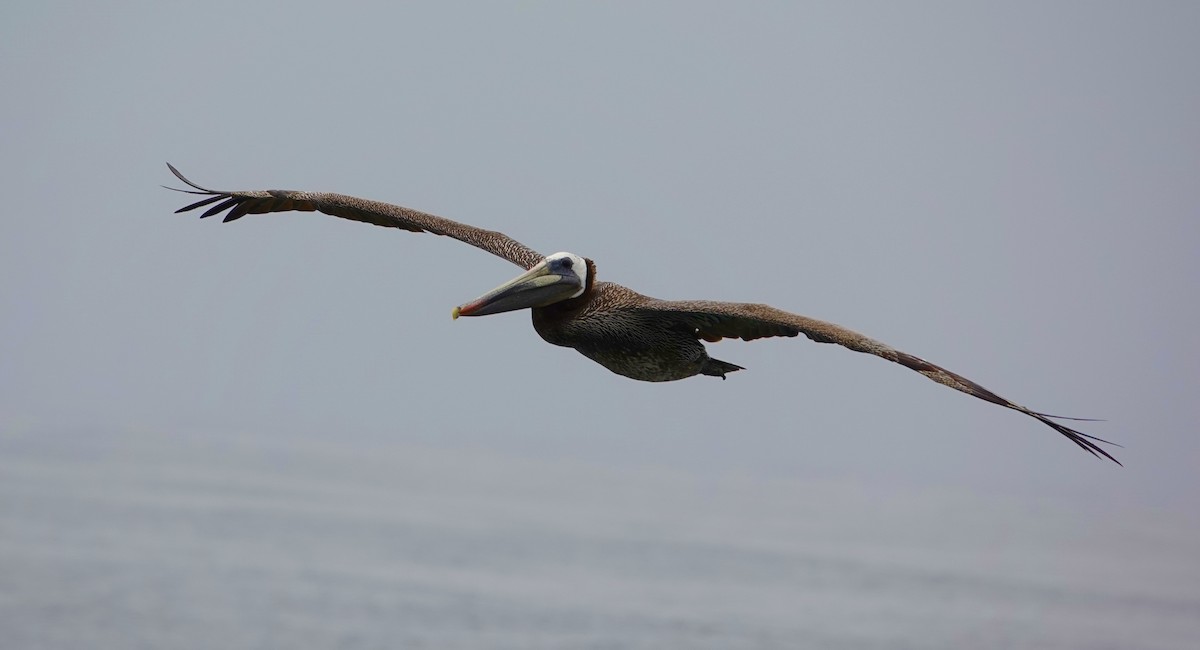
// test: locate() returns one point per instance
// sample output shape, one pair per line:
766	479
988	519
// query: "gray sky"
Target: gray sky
1009	190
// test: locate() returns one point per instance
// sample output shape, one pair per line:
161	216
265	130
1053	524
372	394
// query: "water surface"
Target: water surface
153	540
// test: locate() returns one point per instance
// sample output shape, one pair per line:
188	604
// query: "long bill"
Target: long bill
537	287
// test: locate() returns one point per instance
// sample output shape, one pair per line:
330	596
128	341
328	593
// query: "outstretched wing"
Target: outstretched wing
240	204
713	320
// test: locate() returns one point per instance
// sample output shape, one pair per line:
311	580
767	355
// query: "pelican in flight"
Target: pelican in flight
633	335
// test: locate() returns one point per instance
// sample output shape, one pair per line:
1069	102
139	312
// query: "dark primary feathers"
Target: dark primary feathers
629	333
241	203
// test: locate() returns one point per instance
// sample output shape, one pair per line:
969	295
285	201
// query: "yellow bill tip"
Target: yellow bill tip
454	314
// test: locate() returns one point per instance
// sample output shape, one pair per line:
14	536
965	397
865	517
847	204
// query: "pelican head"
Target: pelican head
558	277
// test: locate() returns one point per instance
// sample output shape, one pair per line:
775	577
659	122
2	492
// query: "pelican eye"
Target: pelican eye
567	263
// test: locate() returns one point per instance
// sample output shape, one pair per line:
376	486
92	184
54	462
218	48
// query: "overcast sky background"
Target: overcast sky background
1009	190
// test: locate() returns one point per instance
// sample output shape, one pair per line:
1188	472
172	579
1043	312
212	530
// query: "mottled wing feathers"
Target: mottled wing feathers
713	320
241	203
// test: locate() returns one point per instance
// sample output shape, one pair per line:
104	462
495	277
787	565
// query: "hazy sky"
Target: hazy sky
1008	189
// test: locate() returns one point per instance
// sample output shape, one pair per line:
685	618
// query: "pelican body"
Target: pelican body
631	334
611	325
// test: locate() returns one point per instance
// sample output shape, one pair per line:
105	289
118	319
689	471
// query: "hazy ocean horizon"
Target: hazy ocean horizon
148	540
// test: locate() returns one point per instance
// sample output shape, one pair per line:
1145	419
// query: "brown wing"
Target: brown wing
240	204
715	320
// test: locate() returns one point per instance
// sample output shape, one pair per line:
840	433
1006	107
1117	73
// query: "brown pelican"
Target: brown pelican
630	334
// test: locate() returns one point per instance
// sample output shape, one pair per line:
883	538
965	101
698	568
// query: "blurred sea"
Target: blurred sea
148	540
